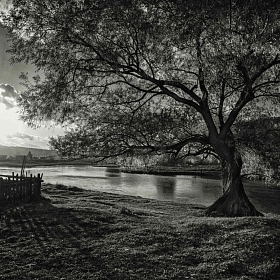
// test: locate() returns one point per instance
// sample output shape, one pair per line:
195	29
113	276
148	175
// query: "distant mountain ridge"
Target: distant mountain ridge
13	151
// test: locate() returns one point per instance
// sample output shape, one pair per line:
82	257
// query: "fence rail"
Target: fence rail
14	188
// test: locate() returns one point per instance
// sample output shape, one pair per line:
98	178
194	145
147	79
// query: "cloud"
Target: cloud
22	136
8	96
9	91
21	139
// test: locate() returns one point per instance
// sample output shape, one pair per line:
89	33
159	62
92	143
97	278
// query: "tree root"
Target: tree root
232	205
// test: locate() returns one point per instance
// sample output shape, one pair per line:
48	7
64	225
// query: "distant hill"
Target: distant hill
13	151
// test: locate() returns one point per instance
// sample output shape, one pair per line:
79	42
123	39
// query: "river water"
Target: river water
181	188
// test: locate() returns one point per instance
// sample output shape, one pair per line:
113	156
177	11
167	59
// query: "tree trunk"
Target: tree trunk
234	202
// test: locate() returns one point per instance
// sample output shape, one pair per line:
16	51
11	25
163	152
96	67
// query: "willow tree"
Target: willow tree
157	76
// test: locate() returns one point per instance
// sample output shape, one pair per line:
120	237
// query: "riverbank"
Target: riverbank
80	234
206	171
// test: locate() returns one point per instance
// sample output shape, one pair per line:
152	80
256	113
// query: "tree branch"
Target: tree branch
264	68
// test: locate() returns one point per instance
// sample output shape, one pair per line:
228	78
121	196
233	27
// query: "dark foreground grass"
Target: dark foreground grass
79	234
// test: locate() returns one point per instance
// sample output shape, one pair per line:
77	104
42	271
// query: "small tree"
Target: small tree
150	76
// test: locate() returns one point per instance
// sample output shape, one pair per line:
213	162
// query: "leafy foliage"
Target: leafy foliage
152	76
262	138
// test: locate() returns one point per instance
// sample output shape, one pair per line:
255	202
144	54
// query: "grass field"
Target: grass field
79	234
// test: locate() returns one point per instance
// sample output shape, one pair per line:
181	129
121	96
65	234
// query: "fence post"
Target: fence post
12	187
5	188
1	189
20	188
16	188
33	187
23	188
38	185
8	188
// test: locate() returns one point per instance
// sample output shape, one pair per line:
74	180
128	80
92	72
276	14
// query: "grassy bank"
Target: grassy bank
79	234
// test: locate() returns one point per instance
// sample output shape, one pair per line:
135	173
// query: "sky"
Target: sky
13	131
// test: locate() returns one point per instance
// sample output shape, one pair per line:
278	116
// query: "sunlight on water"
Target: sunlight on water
175	188
184	189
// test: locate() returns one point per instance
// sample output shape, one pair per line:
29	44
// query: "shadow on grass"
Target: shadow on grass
79	234
40	236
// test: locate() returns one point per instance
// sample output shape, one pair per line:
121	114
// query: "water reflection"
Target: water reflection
166	187
185	189
113	172
198	190
113	175
109	179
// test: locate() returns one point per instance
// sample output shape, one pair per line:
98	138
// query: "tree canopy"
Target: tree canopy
150	76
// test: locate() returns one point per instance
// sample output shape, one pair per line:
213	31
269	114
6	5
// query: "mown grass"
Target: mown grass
79	234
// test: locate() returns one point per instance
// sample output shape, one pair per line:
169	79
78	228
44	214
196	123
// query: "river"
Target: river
180	188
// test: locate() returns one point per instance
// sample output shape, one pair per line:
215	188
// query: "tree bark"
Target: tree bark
234	201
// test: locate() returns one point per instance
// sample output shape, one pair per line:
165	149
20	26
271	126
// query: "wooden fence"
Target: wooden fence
15	188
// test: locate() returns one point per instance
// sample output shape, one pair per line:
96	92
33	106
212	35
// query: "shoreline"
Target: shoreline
211	174
254	189
201	171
